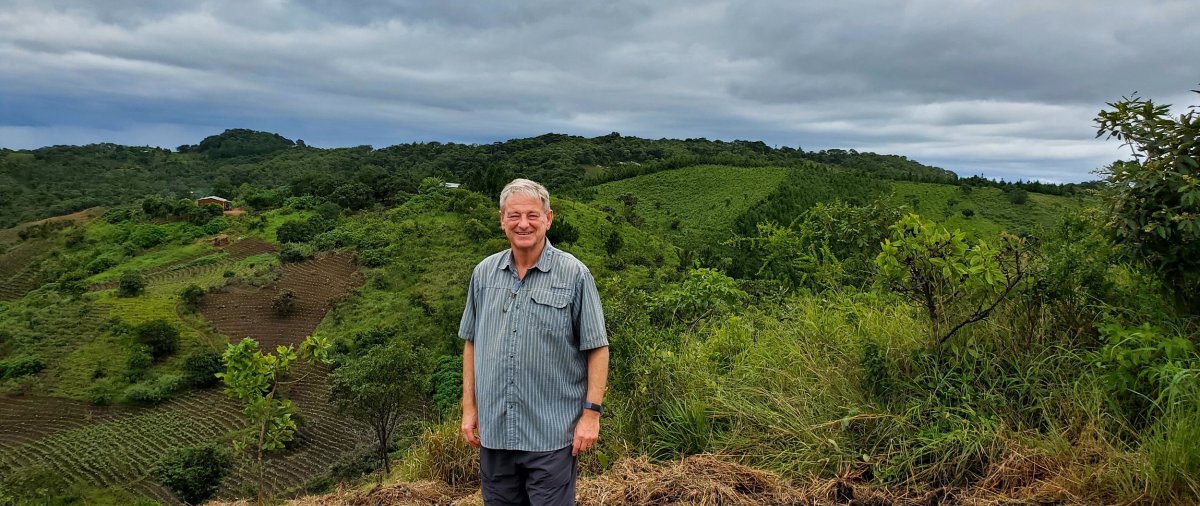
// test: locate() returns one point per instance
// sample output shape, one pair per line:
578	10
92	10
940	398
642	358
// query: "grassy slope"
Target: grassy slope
994	213
697	196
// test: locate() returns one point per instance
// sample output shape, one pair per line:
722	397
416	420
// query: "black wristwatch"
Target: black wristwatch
593	406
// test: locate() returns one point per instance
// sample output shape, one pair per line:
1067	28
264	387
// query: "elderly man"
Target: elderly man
535	361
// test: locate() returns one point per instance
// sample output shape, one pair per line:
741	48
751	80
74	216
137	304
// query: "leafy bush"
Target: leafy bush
703	293
283	303
131	284
156	390
447	386
614	243
101	263
161	337
216	225
138	362
201	368
968	212
191	296
147	236
293	252
372	258
1153	202
1018	196
194	473
1145	371
562	232
24	365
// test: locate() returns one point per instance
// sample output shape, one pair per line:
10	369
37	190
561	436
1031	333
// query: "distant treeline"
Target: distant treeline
238	163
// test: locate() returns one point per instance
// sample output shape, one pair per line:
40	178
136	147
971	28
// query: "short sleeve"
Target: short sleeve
466	326
589	320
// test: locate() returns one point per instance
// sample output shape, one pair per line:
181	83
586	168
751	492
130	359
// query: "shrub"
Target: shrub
372	258
147	236
215	226
100	264
191	297
15	367
967	213
292	252
447	385
194	473
562	232
1144	371
131	285
139	360
1018	196
154	391
161	337
201	368
614	243
284	303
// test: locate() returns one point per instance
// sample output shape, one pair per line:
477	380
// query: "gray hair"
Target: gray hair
525	188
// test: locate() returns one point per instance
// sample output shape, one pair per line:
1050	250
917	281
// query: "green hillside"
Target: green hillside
694	207
984	212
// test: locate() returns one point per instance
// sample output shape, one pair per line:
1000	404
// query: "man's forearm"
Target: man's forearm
468	394
597	374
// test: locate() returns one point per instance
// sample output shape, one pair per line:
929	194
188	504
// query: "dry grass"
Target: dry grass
1028	477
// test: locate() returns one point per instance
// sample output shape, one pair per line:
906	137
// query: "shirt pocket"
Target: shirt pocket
550	312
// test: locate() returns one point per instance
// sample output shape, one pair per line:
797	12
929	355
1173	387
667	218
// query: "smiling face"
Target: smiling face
525	222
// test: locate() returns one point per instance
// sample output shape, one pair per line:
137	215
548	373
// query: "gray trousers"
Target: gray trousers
513	477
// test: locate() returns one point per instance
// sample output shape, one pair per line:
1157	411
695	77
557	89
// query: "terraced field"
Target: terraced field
242	311
18	269
187	268
116	446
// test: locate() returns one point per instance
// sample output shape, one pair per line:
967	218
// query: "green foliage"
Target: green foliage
380	388
1154	202
1018	196
159	336
296	252
562	232
23	365
954	283
283	304
447	381
1146	372
191	296
194	473
147	236
302	231
614	243
201	368
685	426
131	284
703	293
253	377
156	390
372	258
138	362
239	142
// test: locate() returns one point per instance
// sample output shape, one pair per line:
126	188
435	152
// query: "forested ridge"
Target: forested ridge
786	327
57	180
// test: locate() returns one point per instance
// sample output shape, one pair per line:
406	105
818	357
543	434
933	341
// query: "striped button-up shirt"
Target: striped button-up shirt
530	335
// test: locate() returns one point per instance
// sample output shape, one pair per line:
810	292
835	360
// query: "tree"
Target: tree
381	387
159	336
194	473
1154	201
191	297
131	284
284	303
956	284
254	378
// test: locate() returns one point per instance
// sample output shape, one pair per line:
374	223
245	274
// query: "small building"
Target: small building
452	185
216	201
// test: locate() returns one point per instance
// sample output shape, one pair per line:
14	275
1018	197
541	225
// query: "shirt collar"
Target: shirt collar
543	264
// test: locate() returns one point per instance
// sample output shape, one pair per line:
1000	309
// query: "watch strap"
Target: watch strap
594	407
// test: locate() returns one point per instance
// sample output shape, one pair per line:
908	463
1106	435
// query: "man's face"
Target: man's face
524	221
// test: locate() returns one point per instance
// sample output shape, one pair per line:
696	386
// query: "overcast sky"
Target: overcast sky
1007	89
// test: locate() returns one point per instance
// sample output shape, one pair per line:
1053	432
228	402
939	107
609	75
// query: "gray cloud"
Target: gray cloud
1006	89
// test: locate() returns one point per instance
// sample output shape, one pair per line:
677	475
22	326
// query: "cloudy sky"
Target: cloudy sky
1003	88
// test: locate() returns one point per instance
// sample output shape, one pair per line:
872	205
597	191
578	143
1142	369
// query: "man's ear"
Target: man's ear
549	218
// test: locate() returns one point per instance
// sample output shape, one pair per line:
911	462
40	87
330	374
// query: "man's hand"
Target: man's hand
587	431
470	422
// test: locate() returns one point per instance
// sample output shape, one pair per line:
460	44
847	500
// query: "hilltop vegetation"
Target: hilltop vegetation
818	322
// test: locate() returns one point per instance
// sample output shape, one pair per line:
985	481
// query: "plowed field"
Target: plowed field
244	311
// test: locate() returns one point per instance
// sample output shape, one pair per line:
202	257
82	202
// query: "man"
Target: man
535	359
